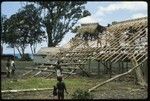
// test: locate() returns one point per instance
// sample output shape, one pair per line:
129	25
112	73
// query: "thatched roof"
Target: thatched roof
90	28
48	51
124	25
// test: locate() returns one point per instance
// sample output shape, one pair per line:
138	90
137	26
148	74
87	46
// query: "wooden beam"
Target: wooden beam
27	72
115	77
70	73
98	68
119	48
25	90
39	72
119	56
115	42
49	75
131	38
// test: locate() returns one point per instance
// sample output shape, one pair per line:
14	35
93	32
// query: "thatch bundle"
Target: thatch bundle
91	28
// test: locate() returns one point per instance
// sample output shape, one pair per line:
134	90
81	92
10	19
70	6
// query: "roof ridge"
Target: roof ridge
130	20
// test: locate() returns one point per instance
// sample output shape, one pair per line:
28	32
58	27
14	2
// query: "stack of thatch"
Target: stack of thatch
91	28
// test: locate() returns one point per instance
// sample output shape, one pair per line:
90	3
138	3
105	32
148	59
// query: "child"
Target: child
58	70
60	88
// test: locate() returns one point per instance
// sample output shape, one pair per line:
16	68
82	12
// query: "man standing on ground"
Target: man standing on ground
13	67
8	67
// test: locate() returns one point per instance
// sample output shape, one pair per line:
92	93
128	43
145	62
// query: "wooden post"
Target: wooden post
105	67
127	65
98	68
117	76
122	66
110	69
119	66
119	69
89	65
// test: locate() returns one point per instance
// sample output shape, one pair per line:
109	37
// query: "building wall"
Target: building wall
39	59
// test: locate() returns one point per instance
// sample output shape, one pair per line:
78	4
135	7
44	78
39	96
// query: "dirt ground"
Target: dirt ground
113	90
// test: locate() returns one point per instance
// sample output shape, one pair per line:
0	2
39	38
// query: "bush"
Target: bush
81	94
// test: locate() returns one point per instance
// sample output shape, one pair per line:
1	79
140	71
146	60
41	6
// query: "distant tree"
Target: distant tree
33	20
23	28
60	17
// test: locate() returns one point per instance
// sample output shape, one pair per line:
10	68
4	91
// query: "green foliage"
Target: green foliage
60	18
27	84
81	94
23	28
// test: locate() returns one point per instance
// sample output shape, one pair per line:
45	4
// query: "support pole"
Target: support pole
98	68
89	66
119	64
122	66
117	76
127	65
110	69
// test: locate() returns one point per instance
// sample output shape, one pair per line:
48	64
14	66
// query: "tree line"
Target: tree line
38	21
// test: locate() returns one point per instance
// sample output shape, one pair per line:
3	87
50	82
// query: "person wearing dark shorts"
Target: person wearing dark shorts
61	87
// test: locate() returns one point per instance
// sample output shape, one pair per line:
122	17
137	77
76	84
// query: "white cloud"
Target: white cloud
138	15
115	6
88	19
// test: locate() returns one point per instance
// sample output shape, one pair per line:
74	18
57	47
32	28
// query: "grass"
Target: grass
27	83
71	83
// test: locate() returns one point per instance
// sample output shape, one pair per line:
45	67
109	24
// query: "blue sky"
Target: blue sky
101	12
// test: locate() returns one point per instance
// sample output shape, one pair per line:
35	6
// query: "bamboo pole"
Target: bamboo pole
119	48
108	48
134	54
117	36
119	55
70	73
115	77
128	55
112	41
98	67
27	72
49	75
130	40
115	43
138	72
25	90
122	56
141	57
39	72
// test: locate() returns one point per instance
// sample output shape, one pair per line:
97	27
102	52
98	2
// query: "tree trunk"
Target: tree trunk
19	51
34	48
1	49
49	32
31	49
14	52
22	49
